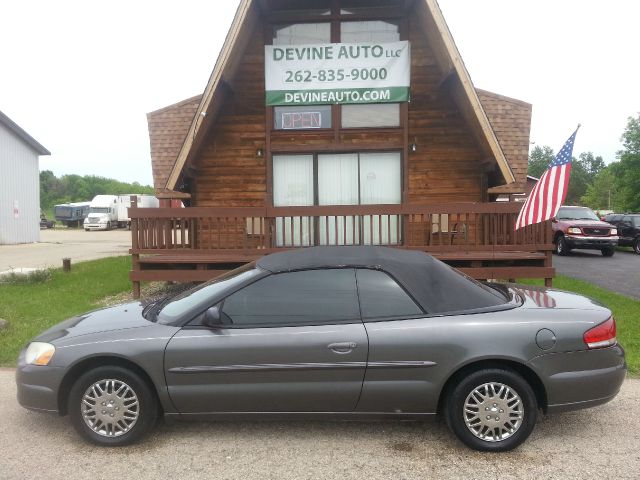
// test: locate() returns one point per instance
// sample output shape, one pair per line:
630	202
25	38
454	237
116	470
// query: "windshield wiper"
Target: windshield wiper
153	308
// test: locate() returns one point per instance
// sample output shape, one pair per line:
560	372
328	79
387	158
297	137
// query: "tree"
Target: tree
578	183
76	188
627	170
592	165
539	160
603	193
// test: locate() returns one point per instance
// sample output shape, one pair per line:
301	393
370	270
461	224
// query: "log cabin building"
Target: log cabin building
338	122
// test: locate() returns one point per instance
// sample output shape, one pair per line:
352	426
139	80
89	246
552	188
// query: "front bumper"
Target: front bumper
583	379
95	226
38	387
595	243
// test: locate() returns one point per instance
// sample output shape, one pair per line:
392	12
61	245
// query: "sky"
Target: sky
80	76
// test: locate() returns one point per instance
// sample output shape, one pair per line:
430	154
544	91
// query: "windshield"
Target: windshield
99	210
576	213
199	298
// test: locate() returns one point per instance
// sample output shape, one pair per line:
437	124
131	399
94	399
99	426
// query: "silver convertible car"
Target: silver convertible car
337	332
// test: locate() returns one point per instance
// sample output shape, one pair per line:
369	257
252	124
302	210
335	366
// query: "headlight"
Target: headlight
102	220
614	231
39	353
574	230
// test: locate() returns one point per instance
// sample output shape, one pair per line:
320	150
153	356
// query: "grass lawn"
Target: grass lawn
32	308
625	310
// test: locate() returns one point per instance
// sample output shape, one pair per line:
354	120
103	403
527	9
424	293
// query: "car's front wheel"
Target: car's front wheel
492	410
112	406
608	252
636	246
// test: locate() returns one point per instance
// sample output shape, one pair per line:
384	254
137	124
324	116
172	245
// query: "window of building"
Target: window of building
352	7
312	297
369	31
382	297
302	33
371	115
292	7
367	178
302	118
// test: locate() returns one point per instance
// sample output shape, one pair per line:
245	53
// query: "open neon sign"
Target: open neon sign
300	120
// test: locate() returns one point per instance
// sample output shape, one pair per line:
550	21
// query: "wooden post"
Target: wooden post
66	265
135	257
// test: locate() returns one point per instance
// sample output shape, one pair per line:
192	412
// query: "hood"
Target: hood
121	317
551	298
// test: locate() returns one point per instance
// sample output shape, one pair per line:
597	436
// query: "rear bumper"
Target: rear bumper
596	243
576	380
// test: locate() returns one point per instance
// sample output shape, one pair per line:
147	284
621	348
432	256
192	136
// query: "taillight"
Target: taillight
602	335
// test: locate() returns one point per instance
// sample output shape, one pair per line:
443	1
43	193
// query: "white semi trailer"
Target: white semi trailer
124	202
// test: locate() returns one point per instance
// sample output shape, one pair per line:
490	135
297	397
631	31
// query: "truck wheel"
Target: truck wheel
561	246
636	245
608	252
108	225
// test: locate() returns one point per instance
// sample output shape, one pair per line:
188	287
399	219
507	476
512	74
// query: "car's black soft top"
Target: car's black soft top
434	285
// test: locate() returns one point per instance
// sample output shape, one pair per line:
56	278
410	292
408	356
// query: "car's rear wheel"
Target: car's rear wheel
636	246
608	252
112	406
492	410
561	246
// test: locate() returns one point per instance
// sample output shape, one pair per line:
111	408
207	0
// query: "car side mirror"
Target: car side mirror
212	317
554	220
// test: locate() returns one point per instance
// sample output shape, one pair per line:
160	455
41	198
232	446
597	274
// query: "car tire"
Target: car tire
608	252
126	410
561	246
636	246
490	392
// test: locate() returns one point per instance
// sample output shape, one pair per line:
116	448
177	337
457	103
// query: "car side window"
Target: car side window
296	298
382	297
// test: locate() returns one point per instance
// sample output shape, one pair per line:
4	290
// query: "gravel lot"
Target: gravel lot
586	444
620	273
59	243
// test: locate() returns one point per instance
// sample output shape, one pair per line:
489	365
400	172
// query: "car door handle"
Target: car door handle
342	347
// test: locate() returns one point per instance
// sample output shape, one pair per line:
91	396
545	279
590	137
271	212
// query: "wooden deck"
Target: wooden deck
197	244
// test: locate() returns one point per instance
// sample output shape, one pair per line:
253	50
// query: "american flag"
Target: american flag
550	191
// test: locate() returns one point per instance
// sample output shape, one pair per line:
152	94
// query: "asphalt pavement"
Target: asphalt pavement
60	243
620	273
577	445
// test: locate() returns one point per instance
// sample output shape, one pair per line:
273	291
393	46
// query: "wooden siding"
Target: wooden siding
229	171
446	165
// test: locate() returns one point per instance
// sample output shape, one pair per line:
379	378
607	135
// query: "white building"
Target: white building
19	184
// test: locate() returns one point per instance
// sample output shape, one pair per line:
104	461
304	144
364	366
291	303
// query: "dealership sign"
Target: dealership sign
337	73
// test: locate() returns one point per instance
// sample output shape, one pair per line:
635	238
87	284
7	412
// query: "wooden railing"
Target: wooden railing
451	227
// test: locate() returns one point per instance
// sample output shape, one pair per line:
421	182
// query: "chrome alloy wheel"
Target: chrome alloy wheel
110	408
493	412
